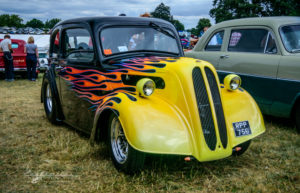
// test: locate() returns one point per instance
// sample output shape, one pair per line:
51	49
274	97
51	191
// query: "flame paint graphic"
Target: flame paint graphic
101	87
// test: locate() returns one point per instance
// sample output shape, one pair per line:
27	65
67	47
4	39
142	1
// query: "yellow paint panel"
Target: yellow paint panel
167	122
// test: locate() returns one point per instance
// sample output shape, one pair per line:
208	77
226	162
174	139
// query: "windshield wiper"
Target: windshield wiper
162	30
295	50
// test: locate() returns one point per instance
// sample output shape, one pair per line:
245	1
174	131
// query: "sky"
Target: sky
187	12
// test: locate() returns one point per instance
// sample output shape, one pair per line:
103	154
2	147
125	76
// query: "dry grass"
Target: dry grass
36	156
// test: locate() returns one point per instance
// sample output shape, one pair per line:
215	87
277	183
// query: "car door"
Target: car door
289	70
76	63
252	53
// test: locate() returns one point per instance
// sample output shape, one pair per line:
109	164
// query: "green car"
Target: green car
265	53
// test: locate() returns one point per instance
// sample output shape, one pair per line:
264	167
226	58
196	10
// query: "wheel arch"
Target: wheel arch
295	104
100	128
160	129
49	77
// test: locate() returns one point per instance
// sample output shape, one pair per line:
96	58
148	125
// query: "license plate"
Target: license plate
241	128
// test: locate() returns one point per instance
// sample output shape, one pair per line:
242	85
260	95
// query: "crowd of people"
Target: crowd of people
32	55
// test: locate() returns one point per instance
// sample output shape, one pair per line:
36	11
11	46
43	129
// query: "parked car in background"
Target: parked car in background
125	80
4	29
12	30
184	43
43	59
20	31
265	53
19	58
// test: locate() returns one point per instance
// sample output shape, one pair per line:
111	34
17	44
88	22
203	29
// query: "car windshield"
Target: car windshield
42	55
125	39
291	38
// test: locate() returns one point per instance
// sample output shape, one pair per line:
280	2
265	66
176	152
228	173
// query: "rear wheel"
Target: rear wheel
244	146
297	117
50	105
123	156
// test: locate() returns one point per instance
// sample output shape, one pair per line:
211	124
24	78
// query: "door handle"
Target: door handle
224	56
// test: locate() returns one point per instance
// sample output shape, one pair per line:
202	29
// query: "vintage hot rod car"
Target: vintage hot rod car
125	80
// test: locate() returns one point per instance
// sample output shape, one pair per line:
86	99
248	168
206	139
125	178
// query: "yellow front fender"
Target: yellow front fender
240	106
152	125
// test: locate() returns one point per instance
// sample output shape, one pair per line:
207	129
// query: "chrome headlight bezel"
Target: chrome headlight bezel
232	82
145	87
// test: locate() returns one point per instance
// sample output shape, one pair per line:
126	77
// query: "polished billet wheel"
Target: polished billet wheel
50	104
119	143
49	98
124	157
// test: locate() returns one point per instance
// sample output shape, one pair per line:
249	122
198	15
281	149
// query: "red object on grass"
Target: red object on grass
19	57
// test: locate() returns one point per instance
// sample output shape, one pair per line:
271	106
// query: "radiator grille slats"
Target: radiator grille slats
204	109
218	105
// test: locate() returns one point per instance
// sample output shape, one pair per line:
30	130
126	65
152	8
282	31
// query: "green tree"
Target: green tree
178	25
203	22
4	20
35	23
11	20
278	8
51	23
233	9
163	12
193	31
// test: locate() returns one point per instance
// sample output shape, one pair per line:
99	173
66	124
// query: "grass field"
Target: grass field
36	156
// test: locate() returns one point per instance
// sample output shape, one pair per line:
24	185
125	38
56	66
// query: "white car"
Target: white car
43	60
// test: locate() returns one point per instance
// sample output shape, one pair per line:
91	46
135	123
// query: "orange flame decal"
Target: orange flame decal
100	87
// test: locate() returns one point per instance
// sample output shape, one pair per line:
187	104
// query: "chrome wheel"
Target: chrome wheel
119	143
49	98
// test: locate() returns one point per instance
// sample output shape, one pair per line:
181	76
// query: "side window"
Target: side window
248	40
14	45
270	45
215	42
78	46
54	49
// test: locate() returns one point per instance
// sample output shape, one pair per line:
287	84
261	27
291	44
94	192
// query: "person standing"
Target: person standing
5	47
31	58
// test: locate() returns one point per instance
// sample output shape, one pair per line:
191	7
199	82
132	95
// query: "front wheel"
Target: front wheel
244	146
123	156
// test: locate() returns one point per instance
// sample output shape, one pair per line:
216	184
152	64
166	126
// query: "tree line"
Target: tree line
222	10
234	9
16	21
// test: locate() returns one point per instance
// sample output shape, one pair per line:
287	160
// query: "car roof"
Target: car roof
266	21
113	20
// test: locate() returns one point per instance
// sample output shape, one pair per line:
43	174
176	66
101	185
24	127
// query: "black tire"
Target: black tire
297	117
124	157
244	147
50	104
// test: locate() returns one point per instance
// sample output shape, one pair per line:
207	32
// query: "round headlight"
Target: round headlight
232	82
145	87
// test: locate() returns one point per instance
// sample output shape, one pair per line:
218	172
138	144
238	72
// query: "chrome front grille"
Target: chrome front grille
218	105
204	108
